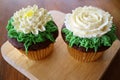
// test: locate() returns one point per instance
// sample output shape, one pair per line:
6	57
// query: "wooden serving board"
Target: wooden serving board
60	65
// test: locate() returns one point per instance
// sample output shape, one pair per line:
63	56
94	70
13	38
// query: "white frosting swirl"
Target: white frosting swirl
31	19
88	22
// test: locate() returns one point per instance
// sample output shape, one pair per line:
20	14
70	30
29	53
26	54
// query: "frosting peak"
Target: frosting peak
88	22
31	19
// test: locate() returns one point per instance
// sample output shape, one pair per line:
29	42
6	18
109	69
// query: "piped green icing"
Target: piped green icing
94	43
29	39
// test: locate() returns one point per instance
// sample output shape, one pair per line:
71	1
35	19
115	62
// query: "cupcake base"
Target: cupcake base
83	56
39	54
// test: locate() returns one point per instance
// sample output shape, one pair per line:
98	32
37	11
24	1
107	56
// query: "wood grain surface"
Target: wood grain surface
8	7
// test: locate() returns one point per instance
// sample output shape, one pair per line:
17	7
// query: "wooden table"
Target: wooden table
8	7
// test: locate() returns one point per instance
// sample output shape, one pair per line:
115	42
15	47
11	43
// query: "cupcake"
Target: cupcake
33	32
88	31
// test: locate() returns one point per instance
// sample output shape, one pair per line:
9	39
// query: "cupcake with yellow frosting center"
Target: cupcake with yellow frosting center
88	31
33	32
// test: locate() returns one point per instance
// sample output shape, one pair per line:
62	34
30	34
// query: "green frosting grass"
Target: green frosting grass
29	39
95	42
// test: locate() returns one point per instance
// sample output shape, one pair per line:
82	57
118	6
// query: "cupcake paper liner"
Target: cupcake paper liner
83	56
39	54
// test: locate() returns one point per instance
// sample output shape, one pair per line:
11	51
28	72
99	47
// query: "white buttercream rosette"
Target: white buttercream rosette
88	22
31	19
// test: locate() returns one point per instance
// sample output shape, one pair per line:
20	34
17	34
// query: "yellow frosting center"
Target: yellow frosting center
29	13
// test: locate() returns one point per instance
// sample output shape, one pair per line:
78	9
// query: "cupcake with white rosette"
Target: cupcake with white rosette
33	32
88	31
